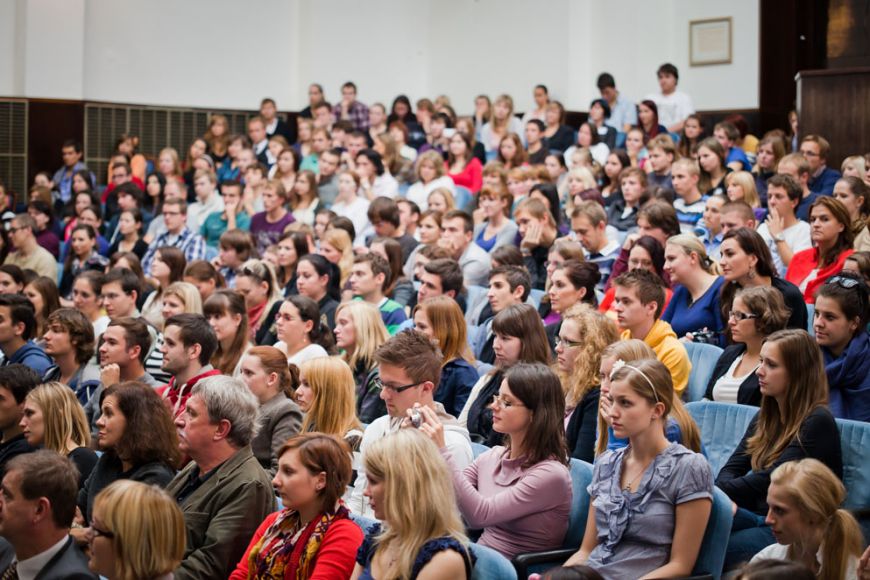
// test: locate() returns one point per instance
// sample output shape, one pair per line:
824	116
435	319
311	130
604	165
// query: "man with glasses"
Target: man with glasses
177	236
822	178
29	255
410	370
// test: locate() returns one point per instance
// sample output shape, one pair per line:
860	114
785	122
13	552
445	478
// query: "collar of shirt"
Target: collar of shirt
29	568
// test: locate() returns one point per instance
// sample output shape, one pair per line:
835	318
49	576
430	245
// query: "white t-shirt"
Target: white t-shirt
357	212
419	192
780	552
797	237
672	108
725	389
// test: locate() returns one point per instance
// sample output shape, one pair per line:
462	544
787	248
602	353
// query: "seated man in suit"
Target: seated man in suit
37	505
223	492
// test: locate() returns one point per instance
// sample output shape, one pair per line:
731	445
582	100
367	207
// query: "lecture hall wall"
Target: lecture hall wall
226	53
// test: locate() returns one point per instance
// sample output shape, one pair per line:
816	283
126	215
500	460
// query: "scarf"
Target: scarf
285	546
254	316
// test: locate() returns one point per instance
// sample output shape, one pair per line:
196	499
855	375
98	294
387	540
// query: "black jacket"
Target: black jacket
748	393
582	427
68	564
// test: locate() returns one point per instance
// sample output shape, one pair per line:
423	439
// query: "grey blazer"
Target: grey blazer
505	237
280	419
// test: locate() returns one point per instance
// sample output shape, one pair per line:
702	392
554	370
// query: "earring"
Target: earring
751	273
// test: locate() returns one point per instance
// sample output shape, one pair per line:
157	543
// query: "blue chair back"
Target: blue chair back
474	296
722	426
855	441
703	358
711	557
535	296
811	311
478	449
490	565
581	477
463	197
363	522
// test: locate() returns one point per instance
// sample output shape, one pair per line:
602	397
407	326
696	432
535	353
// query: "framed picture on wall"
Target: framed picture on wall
710	41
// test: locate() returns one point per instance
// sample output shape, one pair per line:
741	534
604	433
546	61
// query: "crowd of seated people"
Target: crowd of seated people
378	341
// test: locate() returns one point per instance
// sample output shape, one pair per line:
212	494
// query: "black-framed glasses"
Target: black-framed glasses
566	342
741	316
104	533
380	385
503	403
844	282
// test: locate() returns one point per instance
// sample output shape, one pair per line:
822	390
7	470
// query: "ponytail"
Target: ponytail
843	541
289	381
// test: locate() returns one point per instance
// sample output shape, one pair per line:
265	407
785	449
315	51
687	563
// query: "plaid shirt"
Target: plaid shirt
357	113
188	242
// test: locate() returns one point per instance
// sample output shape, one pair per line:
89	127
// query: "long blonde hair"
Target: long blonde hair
818	494
62	415
693	245
369	331
746	182
333	409
807	389
635	350
419	503
188	294
148	527
596	331
340	240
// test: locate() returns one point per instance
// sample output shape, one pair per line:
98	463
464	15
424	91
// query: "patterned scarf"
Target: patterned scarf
277	551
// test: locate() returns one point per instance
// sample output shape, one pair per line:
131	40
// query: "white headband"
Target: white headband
621	364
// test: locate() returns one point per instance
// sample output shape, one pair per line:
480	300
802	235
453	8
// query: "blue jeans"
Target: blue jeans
749	535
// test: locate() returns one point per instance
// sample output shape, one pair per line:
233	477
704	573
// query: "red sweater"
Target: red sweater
805	262
470	177
336	557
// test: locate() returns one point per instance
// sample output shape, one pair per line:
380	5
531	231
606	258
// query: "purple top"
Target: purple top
521	510
266	233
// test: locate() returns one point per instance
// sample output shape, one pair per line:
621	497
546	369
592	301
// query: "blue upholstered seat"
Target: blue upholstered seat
703	358
722	426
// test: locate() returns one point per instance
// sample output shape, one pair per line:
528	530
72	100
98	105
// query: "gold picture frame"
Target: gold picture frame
710	41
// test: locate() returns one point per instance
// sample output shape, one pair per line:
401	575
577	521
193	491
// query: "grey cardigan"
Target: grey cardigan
279	420
505	237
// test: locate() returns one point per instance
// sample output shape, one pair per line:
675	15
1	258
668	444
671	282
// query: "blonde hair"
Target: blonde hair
449	201
746	181
692	245
173	154
433	158
857	162
62	415
637	350
597	331
817	493
419	502
189	295
448	324
369	330
500	128
340	240
333	409
149	532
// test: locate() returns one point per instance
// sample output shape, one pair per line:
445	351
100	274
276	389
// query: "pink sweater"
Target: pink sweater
521	510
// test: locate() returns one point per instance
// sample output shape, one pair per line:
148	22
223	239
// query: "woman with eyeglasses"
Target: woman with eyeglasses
794	422
583	336
755	314
519	337
831	232
840	328
520	492
650	501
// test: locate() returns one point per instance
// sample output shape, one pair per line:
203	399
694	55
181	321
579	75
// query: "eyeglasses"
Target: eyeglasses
18	229
503	403
171	213
568	343
741	316
104	533
844	282
380	385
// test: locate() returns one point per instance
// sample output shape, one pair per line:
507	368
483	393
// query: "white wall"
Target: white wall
225	53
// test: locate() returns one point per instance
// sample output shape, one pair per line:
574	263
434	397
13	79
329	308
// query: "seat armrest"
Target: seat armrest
522	562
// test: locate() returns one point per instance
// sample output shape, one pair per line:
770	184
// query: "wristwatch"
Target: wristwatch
780	237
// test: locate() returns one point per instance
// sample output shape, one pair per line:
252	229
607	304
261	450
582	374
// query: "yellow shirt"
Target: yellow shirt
670	351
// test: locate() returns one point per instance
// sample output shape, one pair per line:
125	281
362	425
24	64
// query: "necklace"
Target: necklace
627	486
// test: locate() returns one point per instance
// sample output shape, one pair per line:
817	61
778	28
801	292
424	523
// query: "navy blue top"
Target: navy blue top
457	378
684	316
849	379
486	244
429	550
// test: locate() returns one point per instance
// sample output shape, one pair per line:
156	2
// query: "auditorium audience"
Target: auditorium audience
794	422
673	483
756	313
265	372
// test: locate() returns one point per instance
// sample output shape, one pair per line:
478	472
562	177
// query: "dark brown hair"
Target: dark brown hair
413	352
522	321
149	434
540	390
223	302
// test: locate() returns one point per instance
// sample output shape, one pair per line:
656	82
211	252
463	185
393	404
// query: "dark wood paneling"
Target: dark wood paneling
50	123
848	33
833	103
793	37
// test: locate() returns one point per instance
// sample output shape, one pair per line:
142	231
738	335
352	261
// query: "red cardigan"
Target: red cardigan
470	177
336	557
805	262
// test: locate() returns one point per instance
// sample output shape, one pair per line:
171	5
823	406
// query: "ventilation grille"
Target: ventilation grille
13	146
156	127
